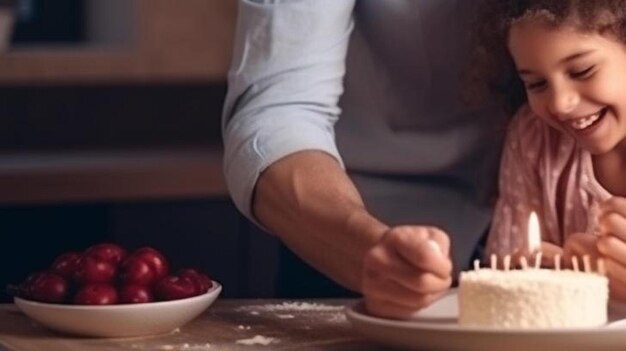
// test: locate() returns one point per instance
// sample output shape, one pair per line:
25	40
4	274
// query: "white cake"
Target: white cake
532	298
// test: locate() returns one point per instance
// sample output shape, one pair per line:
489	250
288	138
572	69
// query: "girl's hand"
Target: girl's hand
548	252
612	244
580	245
407	270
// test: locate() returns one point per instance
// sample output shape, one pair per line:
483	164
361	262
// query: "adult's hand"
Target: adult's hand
612	244
406	270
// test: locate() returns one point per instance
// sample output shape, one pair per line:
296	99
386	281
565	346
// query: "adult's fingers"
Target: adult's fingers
400	294
384	263
389	309
424	247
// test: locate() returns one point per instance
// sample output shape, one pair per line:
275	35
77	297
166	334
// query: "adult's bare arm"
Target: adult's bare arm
308	201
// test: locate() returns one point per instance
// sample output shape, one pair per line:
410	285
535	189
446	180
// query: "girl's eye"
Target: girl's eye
586	73
534	86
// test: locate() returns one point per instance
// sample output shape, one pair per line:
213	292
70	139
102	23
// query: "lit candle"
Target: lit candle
534	234
538	260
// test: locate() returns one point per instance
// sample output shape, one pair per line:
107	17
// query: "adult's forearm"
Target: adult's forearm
309	202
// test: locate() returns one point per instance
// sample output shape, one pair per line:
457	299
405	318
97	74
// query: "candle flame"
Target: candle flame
534	233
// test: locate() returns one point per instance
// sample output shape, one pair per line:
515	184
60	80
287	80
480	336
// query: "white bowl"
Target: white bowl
116	321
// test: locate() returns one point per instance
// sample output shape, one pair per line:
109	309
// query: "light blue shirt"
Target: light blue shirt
414	149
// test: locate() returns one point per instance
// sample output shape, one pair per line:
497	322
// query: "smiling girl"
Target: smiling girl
562	65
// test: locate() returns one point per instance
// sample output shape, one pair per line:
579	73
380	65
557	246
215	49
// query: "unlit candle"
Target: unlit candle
586	263
575	263
557	262
507	262
523	262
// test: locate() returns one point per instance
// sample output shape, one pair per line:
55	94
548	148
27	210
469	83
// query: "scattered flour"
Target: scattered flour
175	347
291	306
199	347
243	327
257	340
285	316
337	318
186	347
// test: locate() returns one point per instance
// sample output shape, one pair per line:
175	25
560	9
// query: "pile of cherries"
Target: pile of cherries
106	274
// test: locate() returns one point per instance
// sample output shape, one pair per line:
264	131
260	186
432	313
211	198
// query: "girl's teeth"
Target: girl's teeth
582	123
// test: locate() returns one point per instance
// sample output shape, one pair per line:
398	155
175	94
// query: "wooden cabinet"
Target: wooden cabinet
147	41
131	113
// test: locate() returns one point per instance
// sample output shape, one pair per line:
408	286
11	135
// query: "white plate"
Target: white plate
435	329
115	321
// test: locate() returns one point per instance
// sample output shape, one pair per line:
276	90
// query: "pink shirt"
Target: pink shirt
545	171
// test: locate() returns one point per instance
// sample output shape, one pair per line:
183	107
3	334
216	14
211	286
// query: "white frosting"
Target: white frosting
532	298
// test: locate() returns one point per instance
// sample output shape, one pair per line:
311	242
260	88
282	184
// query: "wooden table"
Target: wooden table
229	324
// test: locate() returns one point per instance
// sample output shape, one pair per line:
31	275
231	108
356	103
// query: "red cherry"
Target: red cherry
174	288
24	289
135	294
91	271
66	264
155	259
96	294
202	282
107	252
136	271
47	287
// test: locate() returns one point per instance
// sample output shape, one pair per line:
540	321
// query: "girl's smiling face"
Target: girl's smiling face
575	81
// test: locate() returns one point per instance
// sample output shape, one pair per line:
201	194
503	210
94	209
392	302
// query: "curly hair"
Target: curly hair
492	71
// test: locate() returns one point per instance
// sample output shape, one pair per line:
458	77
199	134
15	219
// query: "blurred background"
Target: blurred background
110	131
